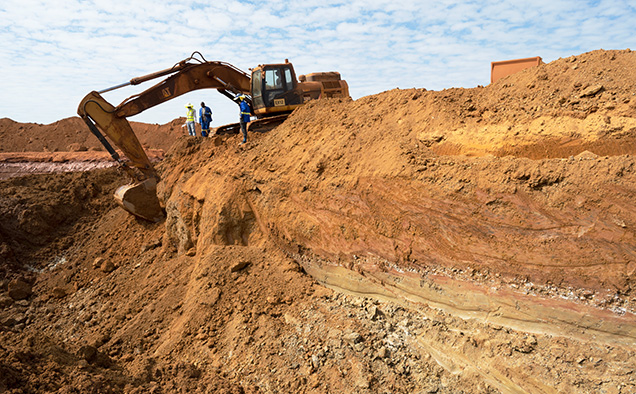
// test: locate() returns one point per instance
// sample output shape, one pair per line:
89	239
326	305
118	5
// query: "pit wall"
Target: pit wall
489	303
205	210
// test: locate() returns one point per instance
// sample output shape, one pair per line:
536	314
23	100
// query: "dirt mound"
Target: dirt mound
72	135
369	177
478	240
67	145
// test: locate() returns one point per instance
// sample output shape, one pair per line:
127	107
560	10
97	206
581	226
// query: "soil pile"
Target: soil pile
66	146
468	240
72	135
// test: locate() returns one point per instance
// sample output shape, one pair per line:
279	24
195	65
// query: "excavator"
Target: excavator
272	90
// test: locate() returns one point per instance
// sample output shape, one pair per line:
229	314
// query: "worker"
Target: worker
205	118
245	116
190	114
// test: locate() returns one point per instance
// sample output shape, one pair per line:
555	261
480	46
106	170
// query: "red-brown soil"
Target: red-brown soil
467	240
71	135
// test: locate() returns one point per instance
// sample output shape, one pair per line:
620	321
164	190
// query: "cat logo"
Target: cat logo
166	92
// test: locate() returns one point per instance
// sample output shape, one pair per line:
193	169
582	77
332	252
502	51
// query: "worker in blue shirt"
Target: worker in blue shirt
245	116
205	118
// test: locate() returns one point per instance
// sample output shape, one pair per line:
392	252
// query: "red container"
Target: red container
504	68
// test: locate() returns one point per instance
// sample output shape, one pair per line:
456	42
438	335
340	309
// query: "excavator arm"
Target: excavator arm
185	78
140	198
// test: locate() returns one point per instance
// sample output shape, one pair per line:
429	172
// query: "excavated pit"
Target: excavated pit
468	240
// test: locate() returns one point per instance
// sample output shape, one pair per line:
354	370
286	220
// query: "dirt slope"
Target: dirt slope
72	135
66	145
469	240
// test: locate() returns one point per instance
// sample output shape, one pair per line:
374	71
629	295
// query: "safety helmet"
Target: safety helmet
241	97
189	105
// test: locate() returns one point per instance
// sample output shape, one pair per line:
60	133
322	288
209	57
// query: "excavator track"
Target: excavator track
256	126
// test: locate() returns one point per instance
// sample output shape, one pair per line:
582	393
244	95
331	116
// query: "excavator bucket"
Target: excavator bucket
141	200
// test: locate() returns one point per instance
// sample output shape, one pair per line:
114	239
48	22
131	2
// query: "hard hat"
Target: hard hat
241	97
188	105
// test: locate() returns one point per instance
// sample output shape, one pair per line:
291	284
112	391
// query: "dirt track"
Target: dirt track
469	240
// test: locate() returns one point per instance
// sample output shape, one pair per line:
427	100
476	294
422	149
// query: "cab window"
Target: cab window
289	82
256	83
273	79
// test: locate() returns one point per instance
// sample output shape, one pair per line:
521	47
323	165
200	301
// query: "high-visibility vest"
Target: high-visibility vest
191	114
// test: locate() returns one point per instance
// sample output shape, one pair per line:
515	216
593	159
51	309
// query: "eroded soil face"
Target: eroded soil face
469	240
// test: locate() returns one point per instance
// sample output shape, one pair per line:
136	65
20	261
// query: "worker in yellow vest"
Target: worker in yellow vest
190	115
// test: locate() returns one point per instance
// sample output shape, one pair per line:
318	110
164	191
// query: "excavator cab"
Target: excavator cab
276	91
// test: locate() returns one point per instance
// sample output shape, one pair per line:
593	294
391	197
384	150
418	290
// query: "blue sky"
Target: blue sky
54	52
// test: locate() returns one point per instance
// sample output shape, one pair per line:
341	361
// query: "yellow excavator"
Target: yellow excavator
272	90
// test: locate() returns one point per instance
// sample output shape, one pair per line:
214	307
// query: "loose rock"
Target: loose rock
19	289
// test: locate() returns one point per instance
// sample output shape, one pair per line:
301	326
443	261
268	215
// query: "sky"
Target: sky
54	52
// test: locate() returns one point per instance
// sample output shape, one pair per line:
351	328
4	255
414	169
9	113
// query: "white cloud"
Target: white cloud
54	53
